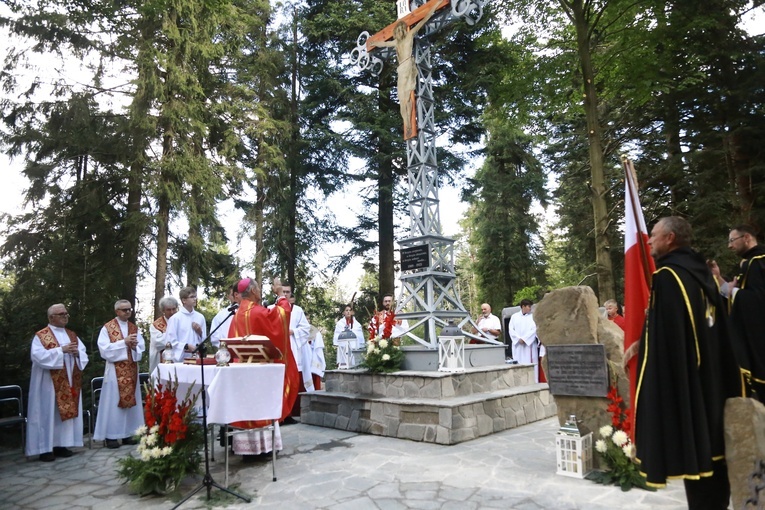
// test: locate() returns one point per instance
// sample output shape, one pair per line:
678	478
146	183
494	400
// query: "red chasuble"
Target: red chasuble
274	323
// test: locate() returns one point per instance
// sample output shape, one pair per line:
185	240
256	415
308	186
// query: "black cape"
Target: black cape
686	370
748	320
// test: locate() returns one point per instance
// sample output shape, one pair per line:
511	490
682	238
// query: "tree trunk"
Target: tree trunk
163	220
385	184
257	220
133	229
594	136
293	158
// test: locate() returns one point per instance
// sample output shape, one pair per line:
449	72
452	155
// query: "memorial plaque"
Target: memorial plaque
416	257
579	370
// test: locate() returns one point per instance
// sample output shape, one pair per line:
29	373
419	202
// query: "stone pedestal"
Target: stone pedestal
745	452
435	407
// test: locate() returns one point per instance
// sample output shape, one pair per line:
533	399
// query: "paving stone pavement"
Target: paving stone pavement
323	468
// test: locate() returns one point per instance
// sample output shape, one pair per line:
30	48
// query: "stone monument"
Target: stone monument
570	316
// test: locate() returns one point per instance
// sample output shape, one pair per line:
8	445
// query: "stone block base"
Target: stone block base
434	407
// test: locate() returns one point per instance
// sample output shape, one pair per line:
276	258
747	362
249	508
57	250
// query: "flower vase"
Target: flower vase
168	486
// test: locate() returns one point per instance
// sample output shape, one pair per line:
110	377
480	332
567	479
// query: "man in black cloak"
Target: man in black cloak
747	302
686	370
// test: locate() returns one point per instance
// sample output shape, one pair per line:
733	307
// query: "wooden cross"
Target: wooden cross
407	70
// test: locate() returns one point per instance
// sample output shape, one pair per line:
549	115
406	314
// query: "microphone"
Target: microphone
233	307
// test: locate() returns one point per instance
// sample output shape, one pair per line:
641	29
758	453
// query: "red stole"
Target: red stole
160	324
127	370
253	319
67	396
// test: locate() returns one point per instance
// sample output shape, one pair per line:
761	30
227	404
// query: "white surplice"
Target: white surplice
358	344
44	426
179	332
112	421
523	327
318	363
224	318
157	342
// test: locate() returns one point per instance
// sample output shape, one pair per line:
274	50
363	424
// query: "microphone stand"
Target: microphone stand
207	481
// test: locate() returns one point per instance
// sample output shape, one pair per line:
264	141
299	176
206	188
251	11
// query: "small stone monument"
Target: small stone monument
569	317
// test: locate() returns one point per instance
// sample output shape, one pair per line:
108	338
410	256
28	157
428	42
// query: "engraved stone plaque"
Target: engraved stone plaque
579	370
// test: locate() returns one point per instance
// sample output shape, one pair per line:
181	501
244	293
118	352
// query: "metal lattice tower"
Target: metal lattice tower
428	295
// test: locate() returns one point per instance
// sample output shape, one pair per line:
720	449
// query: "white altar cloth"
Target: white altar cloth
238	392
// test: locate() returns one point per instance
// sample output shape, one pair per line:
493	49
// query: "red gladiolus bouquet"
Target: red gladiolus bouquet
169	443
616	449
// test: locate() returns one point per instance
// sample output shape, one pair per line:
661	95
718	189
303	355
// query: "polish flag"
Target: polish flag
638	268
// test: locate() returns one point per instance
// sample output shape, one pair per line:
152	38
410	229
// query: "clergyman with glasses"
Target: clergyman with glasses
120	410
55	398
747	298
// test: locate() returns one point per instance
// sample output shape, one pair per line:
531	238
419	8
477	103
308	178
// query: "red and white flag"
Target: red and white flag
638	268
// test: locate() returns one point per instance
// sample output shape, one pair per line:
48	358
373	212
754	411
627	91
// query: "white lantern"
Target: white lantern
344	354
573	450
451	349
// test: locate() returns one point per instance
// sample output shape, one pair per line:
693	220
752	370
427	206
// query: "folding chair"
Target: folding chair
95	397
229	431
8	395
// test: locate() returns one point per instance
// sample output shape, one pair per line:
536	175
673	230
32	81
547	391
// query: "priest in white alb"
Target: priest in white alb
168	305
54	414
523	333
120	410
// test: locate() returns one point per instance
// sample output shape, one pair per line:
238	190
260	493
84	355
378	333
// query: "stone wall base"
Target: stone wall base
443	417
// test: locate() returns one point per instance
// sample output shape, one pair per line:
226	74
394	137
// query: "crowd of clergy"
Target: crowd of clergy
55	414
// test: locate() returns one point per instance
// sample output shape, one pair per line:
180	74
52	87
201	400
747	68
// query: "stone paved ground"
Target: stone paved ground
333	469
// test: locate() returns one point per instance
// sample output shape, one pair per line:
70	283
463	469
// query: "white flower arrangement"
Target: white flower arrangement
620	438
606	430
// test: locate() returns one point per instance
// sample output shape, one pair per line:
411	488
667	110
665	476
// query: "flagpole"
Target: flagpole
631	179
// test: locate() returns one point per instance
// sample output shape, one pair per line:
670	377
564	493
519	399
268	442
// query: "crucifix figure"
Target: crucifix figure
429	296
403	41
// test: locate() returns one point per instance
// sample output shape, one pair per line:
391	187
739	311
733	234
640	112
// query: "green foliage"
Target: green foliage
533	293
502	227
628	478
466	282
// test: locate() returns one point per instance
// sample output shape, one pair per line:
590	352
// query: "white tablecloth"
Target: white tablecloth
241	391
188	376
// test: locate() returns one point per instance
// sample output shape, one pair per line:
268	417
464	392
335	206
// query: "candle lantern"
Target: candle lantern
573	450
451	349
344	355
